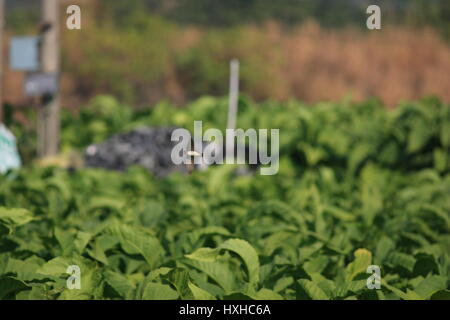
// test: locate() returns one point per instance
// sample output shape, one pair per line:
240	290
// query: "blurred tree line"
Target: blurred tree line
329	13
219	13
142	51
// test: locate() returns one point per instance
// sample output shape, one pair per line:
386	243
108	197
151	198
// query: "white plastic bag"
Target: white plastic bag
9	155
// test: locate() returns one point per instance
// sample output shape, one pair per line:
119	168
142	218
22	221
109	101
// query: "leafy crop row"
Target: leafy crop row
358	185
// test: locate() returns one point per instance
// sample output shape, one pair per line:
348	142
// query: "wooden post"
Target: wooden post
234	94
48	117
2	23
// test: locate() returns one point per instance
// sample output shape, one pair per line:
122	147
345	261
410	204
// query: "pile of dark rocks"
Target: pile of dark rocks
150	148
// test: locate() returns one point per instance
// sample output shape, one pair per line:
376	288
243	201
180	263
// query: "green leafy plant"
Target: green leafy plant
358	185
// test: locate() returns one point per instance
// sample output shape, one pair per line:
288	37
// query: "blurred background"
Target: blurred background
364	145
135	54
142	51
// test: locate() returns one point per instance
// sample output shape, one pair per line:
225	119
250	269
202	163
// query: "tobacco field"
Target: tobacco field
358	185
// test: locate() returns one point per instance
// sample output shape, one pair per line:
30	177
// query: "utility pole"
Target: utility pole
2	24
48	117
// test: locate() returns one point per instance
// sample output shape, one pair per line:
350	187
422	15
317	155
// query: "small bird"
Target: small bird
221	152
190	167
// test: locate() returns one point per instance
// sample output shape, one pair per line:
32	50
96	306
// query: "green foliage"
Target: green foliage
336	13
22	21
124	56
11	218
143	51
358	185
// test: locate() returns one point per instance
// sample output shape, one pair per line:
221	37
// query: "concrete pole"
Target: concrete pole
234	94
48	118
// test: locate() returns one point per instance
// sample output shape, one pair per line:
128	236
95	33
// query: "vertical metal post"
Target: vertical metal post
234	94
48	117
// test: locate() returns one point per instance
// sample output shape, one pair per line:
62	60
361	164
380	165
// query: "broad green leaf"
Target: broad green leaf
54	267
119	283
430	286
180	279
200	294
439	213
441	160
10	285
13	218
328	286
98	253
398	259
91	286
354	286
339	213
316	265
419	135
4	258
409	295
24	270
445	134
384	247
363	259
72	241
266	294
36	293
312	290
212	230
441	295
358	155
248	255
158	291
90	277
283	283
135	241
237	296
219	271
154	274
206	260
204	254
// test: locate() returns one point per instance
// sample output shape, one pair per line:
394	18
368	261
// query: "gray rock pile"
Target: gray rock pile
148	147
